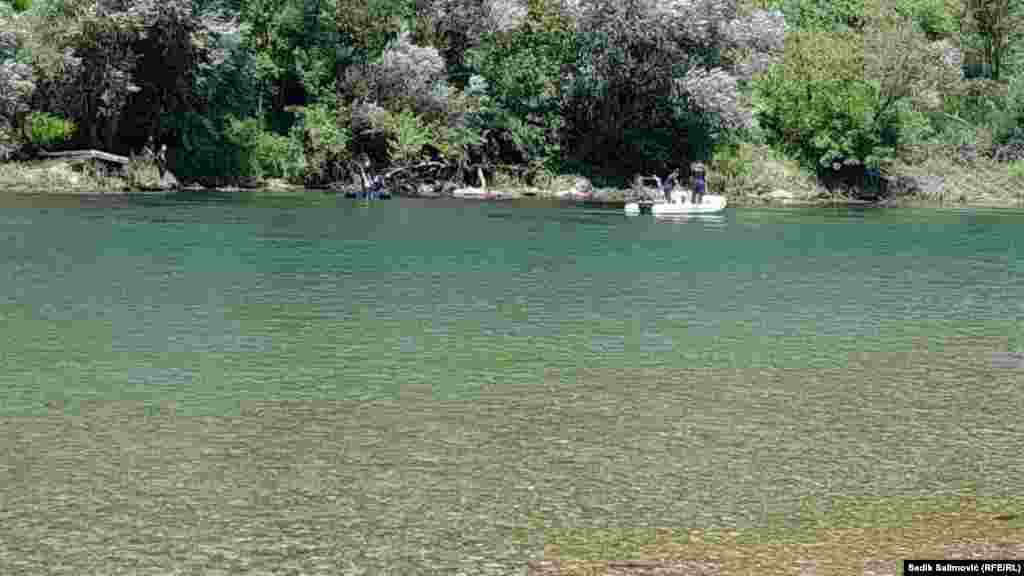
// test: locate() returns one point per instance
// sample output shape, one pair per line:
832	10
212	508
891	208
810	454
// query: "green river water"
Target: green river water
251	384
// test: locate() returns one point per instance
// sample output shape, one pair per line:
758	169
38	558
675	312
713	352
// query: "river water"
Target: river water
251	384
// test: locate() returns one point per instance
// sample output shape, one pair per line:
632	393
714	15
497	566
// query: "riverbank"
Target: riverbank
986	185
63	176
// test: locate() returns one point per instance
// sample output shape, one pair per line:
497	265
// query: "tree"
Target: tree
656	82
841	94
904	64
993	27
364	29
17	82
100	35
456	27
519	78
816	102
407	75
116	67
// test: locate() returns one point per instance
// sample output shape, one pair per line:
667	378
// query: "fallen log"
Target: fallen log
394	171
87	155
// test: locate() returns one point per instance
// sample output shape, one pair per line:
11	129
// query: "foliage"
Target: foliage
1007	120
457	27
263	153
975	101
141	173
519	80
407	75
45	130
294	45
842	94
365	27
747	169
318	146
674	67
821	15
455	142
995	29
937	18
608	88
1016	169
407	134
751	41
816	103
116	69
16	87
203	154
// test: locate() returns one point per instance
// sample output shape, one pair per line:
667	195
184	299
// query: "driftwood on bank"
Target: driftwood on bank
87	155
395	171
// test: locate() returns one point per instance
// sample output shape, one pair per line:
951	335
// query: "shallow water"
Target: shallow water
251	383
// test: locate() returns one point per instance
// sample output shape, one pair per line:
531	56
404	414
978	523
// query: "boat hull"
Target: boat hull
383	196
709	205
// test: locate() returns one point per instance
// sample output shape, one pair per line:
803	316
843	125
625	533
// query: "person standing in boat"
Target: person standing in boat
670	184
698	182
377	186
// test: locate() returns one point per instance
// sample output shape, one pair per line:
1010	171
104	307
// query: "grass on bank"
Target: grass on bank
982	182
753	171
55	176
60	176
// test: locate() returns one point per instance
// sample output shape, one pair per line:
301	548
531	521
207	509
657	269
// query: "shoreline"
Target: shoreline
61	178
734	202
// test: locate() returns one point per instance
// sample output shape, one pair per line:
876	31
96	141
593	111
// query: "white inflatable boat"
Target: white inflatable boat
681	205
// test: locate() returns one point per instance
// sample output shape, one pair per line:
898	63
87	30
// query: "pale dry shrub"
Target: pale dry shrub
408	75
715	92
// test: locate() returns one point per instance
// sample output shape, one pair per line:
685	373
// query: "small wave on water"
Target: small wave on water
705	220
592	217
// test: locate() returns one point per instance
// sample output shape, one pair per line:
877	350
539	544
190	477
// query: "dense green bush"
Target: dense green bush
1007	119
202	154
407	134
47	130
816	103
859	96
519	76
1016	171
263	153
318	146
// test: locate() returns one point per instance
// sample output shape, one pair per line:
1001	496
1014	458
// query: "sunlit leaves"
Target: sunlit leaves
817	102
368	25
320	143
407	134
853	94
46	130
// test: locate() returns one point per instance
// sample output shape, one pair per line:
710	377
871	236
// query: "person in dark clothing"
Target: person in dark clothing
161	160
660	184
376	186
669	185
698	183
